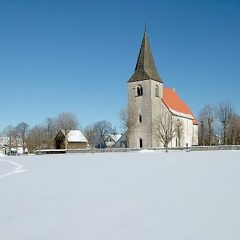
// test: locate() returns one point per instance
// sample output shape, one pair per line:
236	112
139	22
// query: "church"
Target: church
156	114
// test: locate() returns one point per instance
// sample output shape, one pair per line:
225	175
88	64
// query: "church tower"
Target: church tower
145	91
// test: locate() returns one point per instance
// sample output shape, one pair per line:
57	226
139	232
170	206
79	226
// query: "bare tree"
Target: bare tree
164	129
123	114
237	130
22	131
16	140
8	132
206	128
51	131
178	131
224	112
67	121
128	120
101	129
37	138
233	129
89	133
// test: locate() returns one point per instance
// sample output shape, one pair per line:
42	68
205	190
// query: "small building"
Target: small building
107	141
11	148
111	139
75	140
122	142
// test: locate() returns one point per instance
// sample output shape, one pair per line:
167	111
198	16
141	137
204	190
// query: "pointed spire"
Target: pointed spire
145	68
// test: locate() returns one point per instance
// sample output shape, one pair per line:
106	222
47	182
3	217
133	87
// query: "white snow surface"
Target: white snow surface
76	136
122	196
8	168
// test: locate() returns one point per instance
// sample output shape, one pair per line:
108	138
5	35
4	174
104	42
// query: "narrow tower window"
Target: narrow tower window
139	90
140	143
157	91
140	118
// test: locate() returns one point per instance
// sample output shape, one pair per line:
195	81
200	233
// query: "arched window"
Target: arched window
140	142
140	118
156	91
139	90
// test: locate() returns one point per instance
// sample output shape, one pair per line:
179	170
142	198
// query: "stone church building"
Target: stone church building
150	102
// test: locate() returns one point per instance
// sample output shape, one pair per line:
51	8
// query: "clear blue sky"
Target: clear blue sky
73	55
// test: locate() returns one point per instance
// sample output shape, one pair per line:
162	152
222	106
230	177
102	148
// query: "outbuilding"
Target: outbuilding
74	140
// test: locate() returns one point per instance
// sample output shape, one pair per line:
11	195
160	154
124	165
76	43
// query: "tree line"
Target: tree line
39	136
219	125
42	136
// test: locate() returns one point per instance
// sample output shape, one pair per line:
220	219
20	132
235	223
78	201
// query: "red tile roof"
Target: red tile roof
173	102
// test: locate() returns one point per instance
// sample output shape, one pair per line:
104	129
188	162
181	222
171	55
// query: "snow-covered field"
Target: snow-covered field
127	196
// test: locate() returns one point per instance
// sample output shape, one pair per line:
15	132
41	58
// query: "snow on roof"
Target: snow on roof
76	136
115	137
176	105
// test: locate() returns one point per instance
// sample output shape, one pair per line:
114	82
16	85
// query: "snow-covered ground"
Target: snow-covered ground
128	196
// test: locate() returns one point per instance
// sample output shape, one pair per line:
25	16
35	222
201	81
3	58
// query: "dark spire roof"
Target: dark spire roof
145	68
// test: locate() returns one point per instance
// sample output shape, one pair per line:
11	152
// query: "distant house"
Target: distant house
111	139
108	141
2	150
122	142
3	143
13	148
75	140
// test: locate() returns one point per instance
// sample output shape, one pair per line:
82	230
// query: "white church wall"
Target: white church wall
195	135
188	135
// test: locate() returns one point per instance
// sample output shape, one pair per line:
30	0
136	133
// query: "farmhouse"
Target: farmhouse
155	110
74	140
111	139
